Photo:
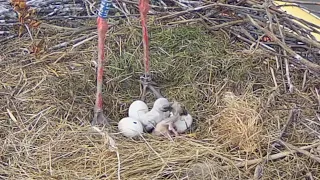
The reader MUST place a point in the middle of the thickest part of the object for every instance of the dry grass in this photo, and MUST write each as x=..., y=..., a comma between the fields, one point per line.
x=239, y=122
x=51, y=101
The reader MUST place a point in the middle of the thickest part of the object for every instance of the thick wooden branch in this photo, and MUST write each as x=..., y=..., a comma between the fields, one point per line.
x=303, y=61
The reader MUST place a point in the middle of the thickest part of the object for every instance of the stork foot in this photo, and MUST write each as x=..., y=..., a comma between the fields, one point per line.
x=100, y=119
x=144, y=92
x=155, y=91
x=146, y=82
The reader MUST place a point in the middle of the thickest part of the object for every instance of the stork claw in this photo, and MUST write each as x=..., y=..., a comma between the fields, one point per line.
x=144, y=91
x=155, y=91
x=146, y=82
x=100, y=119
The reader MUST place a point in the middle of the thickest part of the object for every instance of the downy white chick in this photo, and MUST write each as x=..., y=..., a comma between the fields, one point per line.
x=130, y=127
x=183, y=123
x=165, y=126
x=137, y=109
x=159, y=111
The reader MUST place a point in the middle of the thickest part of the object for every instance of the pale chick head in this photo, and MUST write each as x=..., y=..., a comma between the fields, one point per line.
x=130, y=127
x=178, y=109
x=161, y=104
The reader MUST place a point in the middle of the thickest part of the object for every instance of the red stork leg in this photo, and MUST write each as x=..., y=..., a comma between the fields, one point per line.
x=99, y=118
x=146, y=78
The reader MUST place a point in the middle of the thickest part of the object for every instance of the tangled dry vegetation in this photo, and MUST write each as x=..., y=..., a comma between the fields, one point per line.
x=238, y=98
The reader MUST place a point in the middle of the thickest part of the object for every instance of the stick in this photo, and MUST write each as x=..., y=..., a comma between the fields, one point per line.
x=290, y=119
x=300, y=59
x=309, y=174
x=318, y=96
x=206, y=7
x=302, y=151
x=259, y=168
x=303, y=39
x=297, y=5
x=65, y=44
x=110, y=142
x=302, y=2
x=272, y=157
x=268, y=48
x=83, y=41
x=186, y=11
x=285, y=59
x=274, y=78
x=229, y=24
x=304, y=80
x=267, y=3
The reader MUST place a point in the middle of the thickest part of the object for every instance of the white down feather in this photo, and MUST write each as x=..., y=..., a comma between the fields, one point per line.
x=139, y=110
x=183, y=123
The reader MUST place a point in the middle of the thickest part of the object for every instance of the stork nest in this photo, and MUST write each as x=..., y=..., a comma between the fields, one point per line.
x=47, y=105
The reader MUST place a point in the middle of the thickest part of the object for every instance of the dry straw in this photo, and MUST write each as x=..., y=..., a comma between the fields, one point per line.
x=46, y=105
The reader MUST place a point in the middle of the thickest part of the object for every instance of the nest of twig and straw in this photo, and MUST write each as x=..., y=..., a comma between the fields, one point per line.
x=255, y=102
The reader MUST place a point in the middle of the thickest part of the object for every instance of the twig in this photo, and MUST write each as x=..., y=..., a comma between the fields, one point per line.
x=302, y=2
x=304, y=80
x=184, y=21
x=14, y=119
x=317, y=96
x=245, y=32
x=111, y=145
x=302, y=151
x=257, y=172
x=303, y=39
x=163, y=161
x=274, y=78
x=311, y=130
x=285, y=59
x=268, y=48
x=186, y=11
x=206, y=7
x=65, y=44
x=83, y=41
x=272, y=157
x=285, y=127
x=309, y=174
x=299, y=6
x=267, y=3
x=29, y=32
x=291, y=117
x=300, y=59
x=229, y=24
x=4, y=32
x=306, y=23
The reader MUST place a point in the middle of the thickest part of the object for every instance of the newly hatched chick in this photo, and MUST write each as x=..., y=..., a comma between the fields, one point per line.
x=159, y=111
x=183, y=123
x=165, y=126
x=137, y=109
x=130, y=127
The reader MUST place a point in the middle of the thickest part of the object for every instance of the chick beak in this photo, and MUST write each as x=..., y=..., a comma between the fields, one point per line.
x=184, y=112
x=166, y=108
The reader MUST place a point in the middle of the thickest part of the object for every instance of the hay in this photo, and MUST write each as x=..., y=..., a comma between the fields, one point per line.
x=50, y=99
x=239, y=122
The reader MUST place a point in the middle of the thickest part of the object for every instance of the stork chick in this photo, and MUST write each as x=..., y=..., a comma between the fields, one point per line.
x=167, y=125
x=159, y=111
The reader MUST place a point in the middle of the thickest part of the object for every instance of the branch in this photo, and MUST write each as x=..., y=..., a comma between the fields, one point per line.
x=300, y=59
x=302, y=151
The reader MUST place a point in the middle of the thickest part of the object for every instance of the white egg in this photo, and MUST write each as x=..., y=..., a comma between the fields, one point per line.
x=183, y=123
x=137, y=109
x=130, y=127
